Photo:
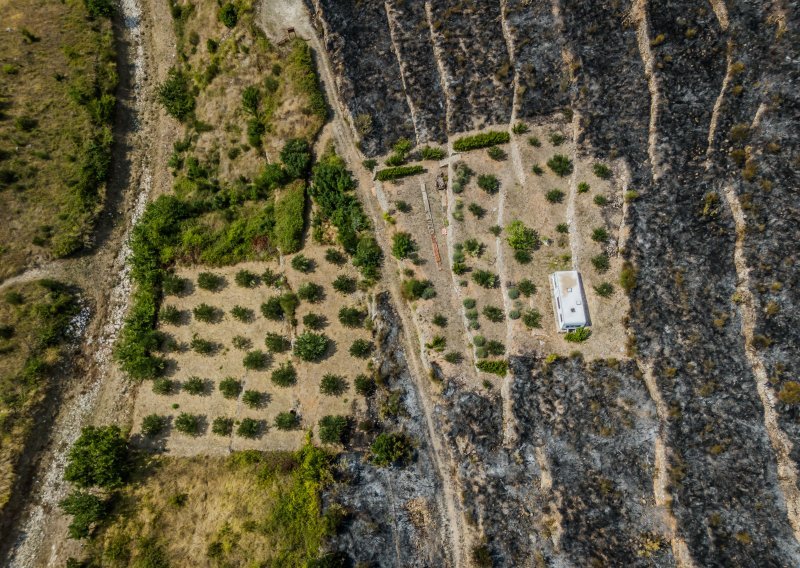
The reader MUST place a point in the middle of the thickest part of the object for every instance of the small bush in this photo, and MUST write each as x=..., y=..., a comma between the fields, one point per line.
x=194, y=386
x=476, y=210
x=482, y=140
x=246, y=279
x=352, y=317
x=344, y=284
x=391, y=449
x=335, y=257
x=438, y=343
x=255, y=360
x=600, y=200
x=583, y=187
x=532, y=318
x=315, y=321
x=578, y=335
x=413, y=289
x=228, y=15
x=334, y=429
x=153, y=425
x=222, y=426
x=601, y=263
x=302, y=264
x=526, y=287
x=513, y=293
x=242, y=314
x=311, y=292
x=241, y=343
x=163, y=386
x=210, y=281
x=287, y=421
x=84, y=469
x=485, y=279
x=496, y=153
x=557, y=139
x=174, y=285
x=253, y=398
x=602, y=171
x=14, y=298
x=403, y=245
x=554, y=196
x=453, y=357
x=479, y=341
x=431, y=153
x=522, y=238
x=310, y=346
x=175, y=94
x=272, y=310
x=493, y=314
x=205, y=313
x=560, y=164
x=365, y=386
x=489, y=183
x=272, y=279
x=514, y=314
x=534, y=141
x=249, y=428
x=519, y=128
x=397, y=172
x=439, y=320
x=87, y=511
x=604, y=290
x=403, y=206
x=230, y=387
x=562, y=228
x=361, y=348
x=536, y=169
x=627, y=277
x=170, y=315
x=469, y=303
x=188, y=424
x=202, y=346
x=600, y=235
x=496, y=367
x=370, y=164
x=332, y=385
x=285, y=375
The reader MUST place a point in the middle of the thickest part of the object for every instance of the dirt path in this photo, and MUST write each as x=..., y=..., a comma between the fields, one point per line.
x=99, y=394
x=276, y=15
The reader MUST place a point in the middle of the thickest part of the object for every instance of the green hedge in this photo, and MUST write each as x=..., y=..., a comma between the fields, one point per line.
x=482, y=140
x=289, y=210
x=496, y=367
x=399, y=172
x=304, y=72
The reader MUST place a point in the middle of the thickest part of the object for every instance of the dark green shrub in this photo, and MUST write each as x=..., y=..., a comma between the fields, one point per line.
x=391, y=449
x=277, y=343
x=438, y=343
x=476, y=210
x=332, y=385
x=489, y=183
x=482, y=556
x=604, y=290
x=537, y=169
x=398, y=172
x=241, y=343
x=628, y=276
x=532, y=318
x=600, y=200
x=310, y=346
x=364, y=385
x=483, y=140
x=513, y=293
x=205, y=313
x=242, y=314
x=255, y=360
x=600, y=263
x=271, y=309
x=174, y=285
x=230, y=387
x=474, y=247
x=285, y=375
x=514, y=314
x=302, y=264
x=334, y=429
x=251, y=100
x=194, y=385
x=431, y=153
x=368, y=257
x=222, y=426
x=289, y=303
x=246, y=279
x=228, y=15
x=296, y=158
x=99, y=8
x=344, y=284
x=600, y=235
x=98, y=458
x=453, y=357
x=287, y=421
x=289, y=221
x=495, y=348
x=352, y=317
x=188, y=424
x=526, y=287
x=370, y=164
x=439, y=320
x=523, y=256
x=170, y=315
x=163, y=386
x=554, y=196
x=496, y=367
x=253, y=398
x=202, y=346
x=496, y=153
x=562, y=228
x=403, y=245
x=583, y=187
x=87, y=511
x=602, y=171
x=175, y=94
x=534, y=141
x=521, y=238
x=335, y=257
x=557, y=139
x=153, y=425
x=250, y=428
x=469, y=303
x=493, y=314
x=519, y=128
x=14, y=298
x=210, y=281
x=361, y=348
x=578, y=335
x=315, y=321
x=485, y=279
x=311, y=292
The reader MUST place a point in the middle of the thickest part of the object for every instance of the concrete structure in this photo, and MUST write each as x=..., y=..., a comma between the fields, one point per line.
x=569, y=302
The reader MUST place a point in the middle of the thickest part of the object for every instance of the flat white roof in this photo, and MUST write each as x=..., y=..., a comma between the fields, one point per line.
x=569, y=303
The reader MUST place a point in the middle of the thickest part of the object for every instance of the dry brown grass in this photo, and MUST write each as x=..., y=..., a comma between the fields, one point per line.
x=35, y=78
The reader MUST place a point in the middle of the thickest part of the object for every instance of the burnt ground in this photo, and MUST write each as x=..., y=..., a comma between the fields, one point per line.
x=576, y=486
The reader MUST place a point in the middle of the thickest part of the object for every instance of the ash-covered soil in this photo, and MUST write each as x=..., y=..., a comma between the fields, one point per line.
x=699, y=102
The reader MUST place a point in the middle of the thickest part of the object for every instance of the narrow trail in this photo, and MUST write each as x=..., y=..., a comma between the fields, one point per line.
x=392, y=23
x=53, y=269
x=574, y=239
x=712, y=127
x=293, y=13
x=437, y=54
x=639, y=17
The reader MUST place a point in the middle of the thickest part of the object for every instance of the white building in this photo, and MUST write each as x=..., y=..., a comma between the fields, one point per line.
x=569, y=302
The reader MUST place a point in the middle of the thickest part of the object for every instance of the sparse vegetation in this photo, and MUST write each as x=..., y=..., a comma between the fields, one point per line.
x=604, y=290
x=578, y=335
x=391, y=449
